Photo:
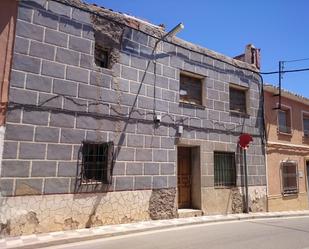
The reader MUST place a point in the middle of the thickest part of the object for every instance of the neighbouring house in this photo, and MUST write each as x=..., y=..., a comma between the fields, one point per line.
x=106, y=122
x=287, y=153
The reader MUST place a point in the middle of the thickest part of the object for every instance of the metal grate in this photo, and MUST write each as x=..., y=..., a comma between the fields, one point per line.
x=224, y=169
x=97, y=162
x=289, y=178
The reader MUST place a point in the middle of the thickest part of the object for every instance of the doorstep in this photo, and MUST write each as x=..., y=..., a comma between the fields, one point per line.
x=188, y=212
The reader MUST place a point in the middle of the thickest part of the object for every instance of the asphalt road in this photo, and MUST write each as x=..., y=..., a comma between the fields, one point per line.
x=289, y=233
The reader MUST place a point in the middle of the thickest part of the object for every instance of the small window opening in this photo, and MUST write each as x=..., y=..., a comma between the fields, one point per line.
x=191, y=89
x=238, y=100
x=284, y=120
x=97, y=162
x=101, y=56
x=306, y=125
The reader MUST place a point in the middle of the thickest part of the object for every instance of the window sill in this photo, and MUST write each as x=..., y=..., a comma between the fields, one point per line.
x=284, y=133
x=104, y=70
x=190, y=105
x=239, y=114
x=224, y=187
x=305, y=139
x=92, y=183
x=290, y=194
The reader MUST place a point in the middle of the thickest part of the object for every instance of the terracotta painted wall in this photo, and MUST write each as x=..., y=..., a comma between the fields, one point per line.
x=297, y=126
x=285, y=147
x=8, y=13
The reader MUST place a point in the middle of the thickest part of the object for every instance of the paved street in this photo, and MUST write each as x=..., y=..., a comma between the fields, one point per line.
x=289, y=233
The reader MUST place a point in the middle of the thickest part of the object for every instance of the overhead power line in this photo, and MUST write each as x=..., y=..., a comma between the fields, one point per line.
x=286, y=71
x=303, y=59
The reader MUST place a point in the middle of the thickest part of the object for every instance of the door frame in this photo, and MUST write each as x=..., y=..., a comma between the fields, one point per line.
x=306, y=164
x=195, y=183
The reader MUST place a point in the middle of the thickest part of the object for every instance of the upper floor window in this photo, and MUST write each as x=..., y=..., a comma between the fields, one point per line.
x=284, y=120
x=306, y=124
x=101, y=56
x=289, y=177
x=238, y=99
x=191, y=89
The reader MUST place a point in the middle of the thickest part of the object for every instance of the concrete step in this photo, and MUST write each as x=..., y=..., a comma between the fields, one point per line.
x=187, y=212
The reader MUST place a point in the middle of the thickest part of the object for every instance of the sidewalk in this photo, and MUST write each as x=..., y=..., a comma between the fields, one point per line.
x=64, y=237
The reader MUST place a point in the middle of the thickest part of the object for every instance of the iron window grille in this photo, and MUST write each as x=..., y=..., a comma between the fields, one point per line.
x=97, y=160
x=224, y=169
x=289, y=178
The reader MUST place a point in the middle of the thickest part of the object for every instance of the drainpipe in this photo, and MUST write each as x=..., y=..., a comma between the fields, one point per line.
x=246, y=181
x=266, y=172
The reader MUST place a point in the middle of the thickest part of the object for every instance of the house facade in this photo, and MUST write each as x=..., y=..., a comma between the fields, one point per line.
x=107, y=122
x=287, y=150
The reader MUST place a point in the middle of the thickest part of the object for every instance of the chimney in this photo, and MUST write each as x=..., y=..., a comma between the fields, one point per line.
x=252, y=56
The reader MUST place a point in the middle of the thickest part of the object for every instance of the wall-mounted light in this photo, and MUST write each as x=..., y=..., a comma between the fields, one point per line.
x=180, y=129
x=157, y=118
x=174, y=31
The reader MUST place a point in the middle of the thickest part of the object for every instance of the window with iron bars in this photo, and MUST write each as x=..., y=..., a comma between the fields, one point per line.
x=289, y=178
x=97, y=160
x=224, y=169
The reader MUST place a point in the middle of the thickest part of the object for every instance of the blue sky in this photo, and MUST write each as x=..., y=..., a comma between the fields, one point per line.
x=279, y=27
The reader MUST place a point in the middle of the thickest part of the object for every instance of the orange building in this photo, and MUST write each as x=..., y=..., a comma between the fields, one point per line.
x=287, y=150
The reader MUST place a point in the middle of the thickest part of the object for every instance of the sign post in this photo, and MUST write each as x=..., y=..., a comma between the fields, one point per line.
x=244, y=140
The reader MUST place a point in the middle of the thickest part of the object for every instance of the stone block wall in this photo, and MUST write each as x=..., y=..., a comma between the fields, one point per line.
x=59, y=97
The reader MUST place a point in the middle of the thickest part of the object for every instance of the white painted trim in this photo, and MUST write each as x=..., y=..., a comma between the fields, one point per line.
x=290, y=145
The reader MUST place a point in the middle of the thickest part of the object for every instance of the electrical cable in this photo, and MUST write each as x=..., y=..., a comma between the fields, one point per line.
x=172, y=43
x=290, y=61
x=286, y=71
x=189, y=49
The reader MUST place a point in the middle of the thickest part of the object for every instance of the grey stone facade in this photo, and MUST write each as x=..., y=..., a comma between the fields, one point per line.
x=59, y=97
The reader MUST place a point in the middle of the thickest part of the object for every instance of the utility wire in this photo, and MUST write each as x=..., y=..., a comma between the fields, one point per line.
x=286, y=71
x=303, y=59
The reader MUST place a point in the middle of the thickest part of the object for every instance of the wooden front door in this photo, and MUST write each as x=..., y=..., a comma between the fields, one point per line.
x=184, y=177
